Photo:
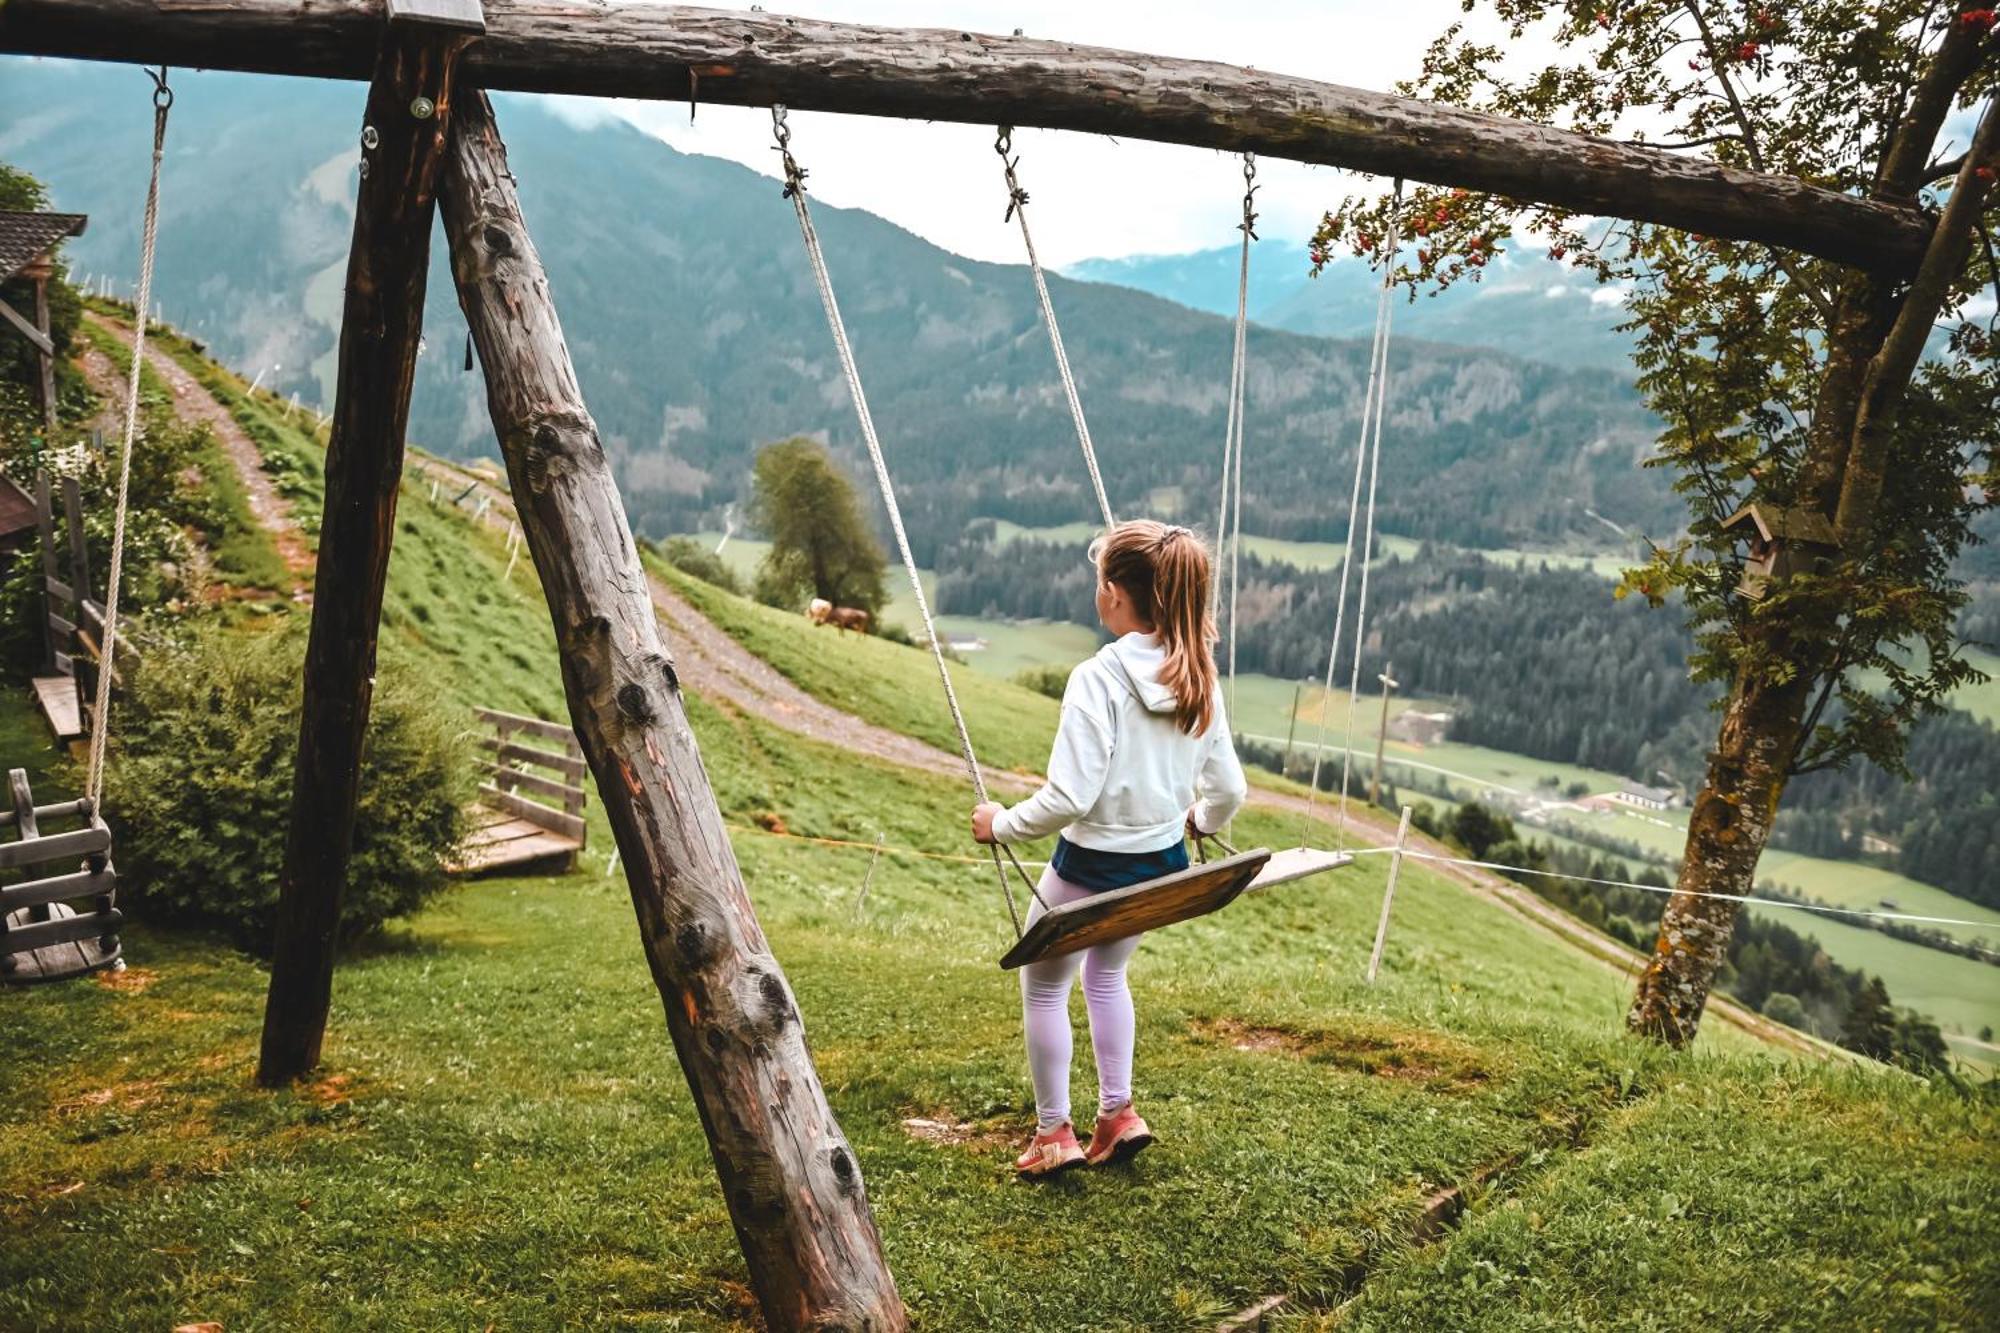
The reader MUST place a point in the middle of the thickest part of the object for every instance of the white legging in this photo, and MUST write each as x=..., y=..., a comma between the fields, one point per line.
x=1045, y=1015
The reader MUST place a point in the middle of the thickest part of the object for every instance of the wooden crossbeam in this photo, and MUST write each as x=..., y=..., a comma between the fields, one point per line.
x=679, y=52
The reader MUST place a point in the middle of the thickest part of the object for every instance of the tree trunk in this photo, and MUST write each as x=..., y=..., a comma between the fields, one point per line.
x=684, y=53
x=380, y=325
x=1873, y=346
x=790, y=1180
x=1727, y=830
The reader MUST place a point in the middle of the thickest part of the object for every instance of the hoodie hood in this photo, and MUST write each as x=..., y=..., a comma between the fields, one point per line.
x=1135, y=662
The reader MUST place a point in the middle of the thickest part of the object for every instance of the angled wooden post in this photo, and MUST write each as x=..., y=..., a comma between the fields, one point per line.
x=1389, y=895
x=402, y=144
x=791, y=1182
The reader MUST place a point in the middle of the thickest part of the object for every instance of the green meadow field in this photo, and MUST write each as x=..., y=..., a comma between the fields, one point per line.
x=500, y=1137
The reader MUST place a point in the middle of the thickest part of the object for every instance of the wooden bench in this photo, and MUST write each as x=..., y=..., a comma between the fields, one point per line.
x=531, y=803
x=62, y=924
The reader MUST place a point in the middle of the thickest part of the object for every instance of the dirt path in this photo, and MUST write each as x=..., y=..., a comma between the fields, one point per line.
x=713, y=665
x=193, y=403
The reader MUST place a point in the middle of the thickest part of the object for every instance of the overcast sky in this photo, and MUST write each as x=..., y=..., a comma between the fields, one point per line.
x=1091, y=196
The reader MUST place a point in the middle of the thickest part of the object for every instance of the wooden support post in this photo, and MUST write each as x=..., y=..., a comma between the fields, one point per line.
x=403, y=143
x=1381, y=733
x=1389, y=895
x=874, y=859
x=790, y=1180
x=55, y=659
x=45, y=354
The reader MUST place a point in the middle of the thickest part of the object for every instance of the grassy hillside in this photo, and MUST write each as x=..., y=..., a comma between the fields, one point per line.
x=500, y=1137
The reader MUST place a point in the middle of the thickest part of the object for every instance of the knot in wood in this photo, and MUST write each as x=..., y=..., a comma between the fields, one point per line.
x=842, y=1164
x=696, y=944
x=498, y=240
x=633, y=703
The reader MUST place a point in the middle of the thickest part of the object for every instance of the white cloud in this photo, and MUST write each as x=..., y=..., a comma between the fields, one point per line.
x=1612, y=295
x=1093, y=196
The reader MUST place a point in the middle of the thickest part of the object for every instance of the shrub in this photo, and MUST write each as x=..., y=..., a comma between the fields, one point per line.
x=199, y=787
x=690, y=557
x=1049, y=680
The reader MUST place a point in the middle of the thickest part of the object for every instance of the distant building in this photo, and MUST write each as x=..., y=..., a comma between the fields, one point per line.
x=1419, y=728
x=1646, y=798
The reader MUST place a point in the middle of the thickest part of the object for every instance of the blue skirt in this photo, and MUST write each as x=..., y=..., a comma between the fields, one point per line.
x=1089, y=868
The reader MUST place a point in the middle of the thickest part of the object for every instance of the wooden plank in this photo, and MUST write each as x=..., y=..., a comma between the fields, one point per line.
x=56, y=696
x=61, y=929
x=484, y=816
x=516, y=852
x=789, y=1179
x=59, y=590
x=679, y=52
x=555, y=731
x=465, y=14
x=57, y=889
x=54, y=810
x=26, y=328
x=55, y=847
x=507, y=779
x=24, y=804
x=1118, y=913
x=1296, y=863
x=507, y=829
x=555, y=821
x=569, y=765
x=406, y=122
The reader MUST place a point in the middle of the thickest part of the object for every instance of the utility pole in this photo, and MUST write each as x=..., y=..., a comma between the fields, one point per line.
x=1381, y=734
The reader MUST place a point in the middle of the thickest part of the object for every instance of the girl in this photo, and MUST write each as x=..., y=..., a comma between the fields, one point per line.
x=1142, y=733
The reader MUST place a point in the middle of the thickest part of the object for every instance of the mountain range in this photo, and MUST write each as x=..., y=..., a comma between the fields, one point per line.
x=698, y=335
x=1523, y=302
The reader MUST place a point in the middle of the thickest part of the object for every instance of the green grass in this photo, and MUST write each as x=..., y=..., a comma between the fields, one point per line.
x=502, y=1136
x=1716, y=1203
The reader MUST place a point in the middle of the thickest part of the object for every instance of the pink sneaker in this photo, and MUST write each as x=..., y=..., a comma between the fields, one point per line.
x=1118, y=1136
x=1050, y=1153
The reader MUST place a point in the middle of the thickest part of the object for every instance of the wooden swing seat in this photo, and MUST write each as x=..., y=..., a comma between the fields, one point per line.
x=1297, y=863
x=47, y=930
x=1117, y=913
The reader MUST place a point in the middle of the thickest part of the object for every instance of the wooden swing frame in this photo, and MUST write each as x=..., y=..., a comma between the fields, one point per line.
x=791, y=1185
x=44, y=936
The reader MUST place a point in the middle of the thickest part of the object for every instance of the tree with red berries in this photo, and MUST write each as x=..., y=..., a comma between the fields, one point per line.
x=1862, y=401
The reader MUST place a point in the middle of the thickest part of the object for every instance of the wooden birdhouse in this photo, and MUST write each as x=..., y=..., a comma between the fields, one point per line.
x=1782, y=542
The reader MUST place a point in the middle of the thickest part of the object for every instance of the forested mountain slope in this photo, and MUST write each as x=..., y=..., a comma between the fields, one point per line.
x=697, y=334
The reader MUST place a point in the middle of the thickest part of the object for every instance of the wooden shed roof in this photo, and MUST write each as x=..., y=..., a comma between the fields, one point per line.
x=26, y=237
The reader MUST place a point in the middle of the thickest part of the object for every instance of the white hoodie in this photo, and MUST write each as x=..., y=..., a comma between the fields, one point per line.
x=1122, y=774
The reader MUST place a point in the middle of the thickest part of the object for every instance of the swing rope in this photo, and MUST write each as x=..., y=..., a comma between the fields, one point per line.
x=795, y=190
x=1371, y=414
x=100, y=722
x=1017, y=208
x=1227, y=526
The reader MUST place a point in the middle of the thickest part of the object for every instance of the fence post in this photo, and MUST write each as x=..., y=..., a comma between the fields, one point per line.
x=1389, y=895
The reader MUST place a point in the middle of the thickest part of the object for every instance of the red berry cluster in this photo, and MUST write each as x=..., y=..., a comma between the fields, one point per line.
x=1979, y=20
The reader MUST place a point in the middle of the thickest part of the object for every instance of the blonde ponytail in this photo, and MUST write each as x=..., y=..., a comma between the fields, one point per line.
x=1165, y=570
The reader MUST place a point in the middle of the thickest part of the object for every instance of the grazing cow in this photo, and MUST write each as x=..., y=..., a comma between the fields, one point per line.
x=822, y=612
